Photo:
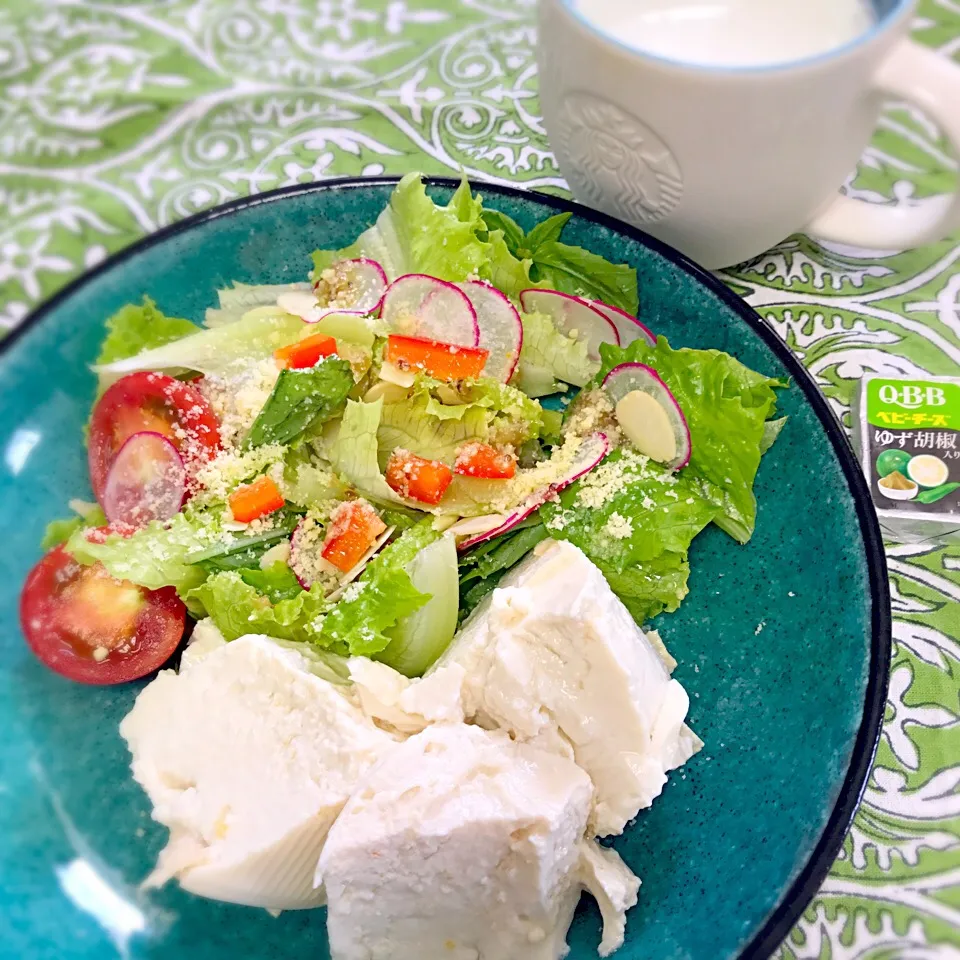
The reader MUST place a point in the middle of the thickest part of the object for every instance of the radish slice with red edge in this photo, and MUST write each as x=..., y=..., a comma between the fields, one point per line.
x=649, y=414
x=629, y=328
x=501, y=332
x=146, y=481
x=416, y=305
x=592, y=451
x=573, y=316
x=354, y=287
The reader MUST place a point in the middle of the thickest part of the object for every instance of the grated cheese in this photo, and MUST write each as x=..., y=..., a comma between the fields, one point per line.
x=237, y=400
x=618, y=526
x=222, y=475
x=306, y=560
x=592, y=411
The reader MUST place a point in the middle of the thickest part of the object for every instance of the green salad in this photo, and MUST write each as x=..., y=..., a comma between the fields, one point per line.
x=354, y=461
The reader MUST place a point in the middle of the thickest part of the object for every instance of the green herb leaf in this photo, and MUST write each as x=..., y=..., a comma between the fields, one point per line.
x=579, y=272
x=547, y=232
x=504, y=553
x=511, y=230
x=483, y=568
x=244, y=552
x=300, y=399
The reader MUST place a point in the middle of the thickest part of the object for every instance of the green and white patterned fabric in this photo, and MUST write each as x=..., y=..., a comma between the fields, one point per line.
x=119, y=118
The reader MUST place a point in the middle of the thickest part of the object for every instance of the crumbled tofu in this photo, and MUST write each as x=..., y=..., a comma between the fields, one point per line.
x=460, y=844
x=407, y=706
x=248, y=758
x=555, y=626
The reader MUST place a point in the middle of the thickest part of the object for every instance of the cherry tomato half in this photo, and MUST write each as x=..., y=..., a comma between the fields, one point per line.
x=155, y=403
x=92, y=628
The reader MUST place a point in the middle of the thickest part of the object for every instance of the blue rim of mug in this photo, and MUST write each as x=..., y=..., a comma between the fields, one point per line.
x=884, y=22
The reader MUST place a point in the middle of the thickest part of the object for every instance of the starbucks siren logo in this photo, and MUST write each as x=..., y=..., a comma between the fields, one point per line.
x=617, y=162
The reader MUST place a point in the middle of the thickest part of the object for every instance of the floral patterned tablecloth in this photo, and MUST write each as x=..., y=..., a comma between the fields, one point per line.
x=118, y=118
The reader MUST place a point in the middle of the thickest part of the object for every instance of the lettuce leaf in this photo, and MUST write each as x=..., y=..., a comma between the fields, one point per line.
x=382, y=597
x=726, y=405
x=635, y=520
x=217, y=351
x=238, y=608
x=154, y=557
x=254, y=601
x=415, y=235
x=505, y=271
x=135, y=328
x=301, y=399
x=353, y=451
x=547, y=356
x=437, y=418
x=652, y=587
x=60, y=531
x=408, y=426
x=307, y=483
x=771, y=430
x=239, y=299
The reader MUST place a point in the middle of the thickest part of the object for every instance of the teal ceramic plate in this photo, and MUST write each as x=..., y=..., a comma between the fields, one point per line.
x=783, y=644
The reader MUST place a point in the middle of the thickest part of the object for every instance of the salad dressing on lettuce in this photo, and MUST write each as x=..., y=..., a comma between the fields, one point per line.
x=319, y=407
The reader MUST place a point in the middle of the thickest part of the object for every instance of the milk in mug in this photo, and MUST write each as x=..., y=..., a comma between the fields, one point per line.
x=730, y=33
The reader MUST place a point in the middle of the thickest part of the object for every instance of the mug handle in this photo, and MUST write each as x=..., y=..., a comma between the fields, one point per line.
x=910, y=72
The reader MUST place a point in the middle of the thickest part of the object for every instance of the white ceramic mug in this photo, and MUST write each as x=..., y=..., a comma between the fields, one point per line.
x=723, y=163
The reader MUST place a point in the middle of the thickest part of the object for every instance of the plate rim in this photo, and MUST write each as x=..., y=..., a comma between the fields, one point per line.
x=797, y=896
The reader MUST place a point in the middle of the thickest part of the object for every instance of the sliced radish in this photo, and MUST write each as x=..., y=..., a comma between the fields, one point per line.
x=573, y=316
x=416, y=305
x=591, y=452
x=146, y=481
x=629, y=328
x=354, y=287
x=648, y=414
x=501, y=332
